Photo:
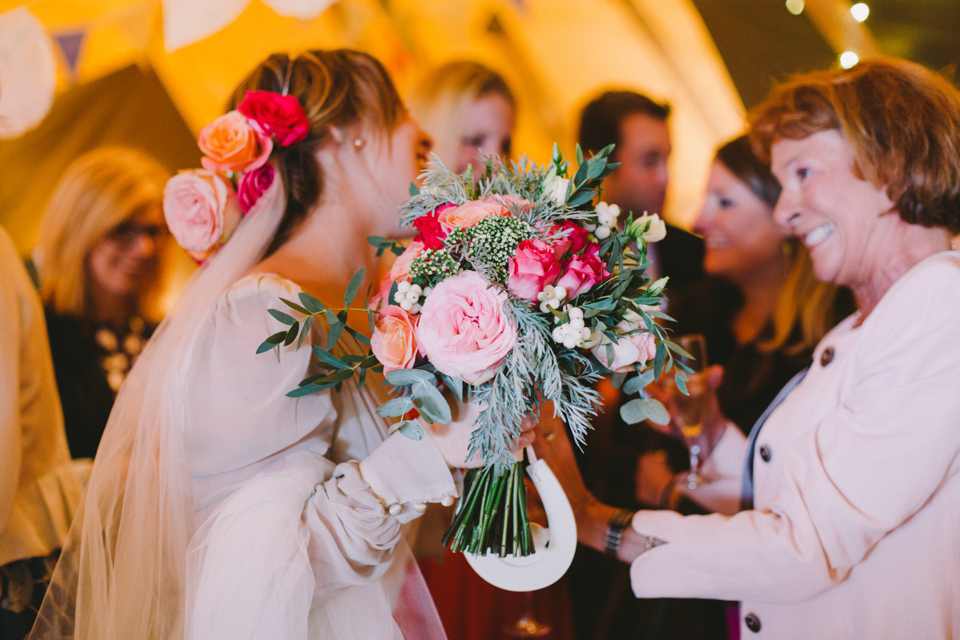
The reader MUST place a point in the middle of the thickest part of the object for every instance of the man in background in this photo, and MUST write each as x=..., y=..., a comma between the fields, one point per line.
x=638, y=127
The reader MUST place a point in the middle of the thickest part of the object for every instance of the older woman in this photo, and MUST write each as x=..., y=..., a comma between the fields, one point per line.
x=852, y=480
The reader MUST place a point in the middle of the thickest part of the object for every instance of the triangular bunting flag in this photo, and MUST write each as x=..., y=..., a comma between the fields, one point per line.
x=70, y=43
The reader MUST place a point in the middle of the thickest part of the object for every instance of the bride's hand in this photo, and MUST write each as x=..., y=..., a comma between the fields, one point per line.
x=453, y=439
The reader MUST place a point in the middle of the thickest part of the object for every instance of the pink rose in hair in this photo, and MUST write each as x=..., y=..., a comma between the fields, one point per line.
x=463, y=329
x=534, y=266
x=280, y=116
x=469, y=214
x=201, y=211
x=233, y=143
x=431, y=234
x=628, y=350
x=582, y=273
x=574, y=240
x=394, y=339
x=401, y=267
x=253, y=184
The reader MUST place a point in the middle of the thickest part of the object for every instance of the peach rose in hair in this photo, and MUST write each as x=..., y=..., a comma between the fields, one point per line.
x=233, y=143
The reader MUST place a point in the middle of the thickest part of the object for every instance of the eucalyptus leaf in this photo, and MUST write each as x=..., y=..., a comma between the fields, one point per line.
x=455, y=385
x=659, y=359
x=580, y=197
x=411, y=429
x=331, y=317
x=353, y=287
x=404, y=377
x=414, y=189
x=638, y=382
x=369, y=361
x=616, y=380
x=579, y=155
x=268, y=344
x=311, y=303
x=334, y=336
x=431, y=404
x=580, y=176
x=305, y=331
x=641, y=409
x=291, y=334
x=281, y=316
x=681, y=381
x=294, y=306
x=357, y=335
x=395, y=407
x=329, y=358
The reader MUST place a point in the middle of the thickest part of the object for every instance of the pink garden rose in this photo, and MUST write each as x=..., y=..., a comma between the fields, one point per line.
x=280, y=116
x=534, y=266
x=394, y=339
x=574, y=240
x=253, y=184
x=469, y=214
x=401, y=267
x=233, y=143
x=582, y=273
x=430, y=233
x=628, y=350
x=463, y=329
x=201, y=211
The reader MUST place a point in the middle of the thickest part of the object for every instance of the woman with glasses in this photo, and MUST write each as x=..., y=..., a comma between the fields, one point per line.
x=99, y=265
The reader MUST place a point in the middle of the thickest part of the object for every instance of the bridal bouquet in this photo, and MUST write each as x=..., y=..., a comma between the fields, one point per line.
x=517, y=290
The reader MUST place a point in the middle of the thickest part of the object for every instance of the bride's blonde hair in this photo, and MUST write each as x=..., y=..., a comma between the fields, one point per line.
x=339, y=88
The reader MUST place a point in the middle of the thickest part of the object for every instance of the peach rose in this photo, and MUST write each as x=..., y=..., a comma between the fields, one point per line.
x=401, y=267
x=394, y=339
x=628, y=350
x=469, y=214
x=233, y=143
x=463, y=330
x=201, y=211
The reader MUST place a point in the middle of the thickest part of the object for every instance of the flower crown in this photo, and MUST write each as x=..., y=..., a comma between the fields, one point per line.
x=203, y=207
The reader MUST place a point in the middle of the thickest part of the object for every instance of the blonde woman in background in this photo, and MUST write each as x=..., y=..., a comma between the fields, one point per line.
x=469, y=111
x=99, y=262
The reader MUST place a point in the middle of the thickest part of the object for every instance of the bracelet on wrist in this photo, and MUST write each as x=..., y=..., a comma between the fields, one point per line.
x=619, y=521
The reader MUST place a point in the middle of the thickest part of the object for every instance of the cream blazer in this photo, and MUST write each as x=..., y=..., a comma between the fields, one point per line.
x=856, y=527
x=38, y=487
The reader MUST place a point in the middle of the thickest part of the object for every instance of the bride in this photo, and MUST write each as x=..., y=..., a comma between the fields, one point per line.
x=219, y=507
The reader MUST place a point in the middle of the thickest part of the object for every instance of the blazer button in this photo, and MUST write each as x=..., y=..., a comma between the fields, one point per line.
x=753, y=622
x=826, y=357
x=765, y=454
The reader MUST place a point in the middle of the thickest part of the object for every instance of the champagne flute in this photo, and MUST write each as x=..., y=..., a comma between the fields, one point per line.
x=691, y=408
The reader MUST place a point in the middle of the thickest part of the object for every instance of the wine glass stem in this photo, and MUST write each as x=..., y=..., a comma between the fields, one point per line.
x=694, y=477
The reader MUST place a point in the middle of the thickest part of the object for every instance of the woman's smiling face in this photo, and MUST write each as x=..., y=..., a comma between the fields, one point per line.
x=738, y=229
x=838, y=215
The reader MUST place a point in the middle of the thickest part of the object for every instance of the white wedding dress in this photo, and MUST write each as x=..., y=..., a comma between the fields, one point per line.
x=219, y=508
x=281, y=528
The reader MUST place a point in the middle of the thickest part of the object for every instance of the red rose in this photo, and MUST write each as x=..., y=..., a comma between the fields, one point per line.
x=431, y=234
x=277, y=115
x=574, y=239
x=253, y=184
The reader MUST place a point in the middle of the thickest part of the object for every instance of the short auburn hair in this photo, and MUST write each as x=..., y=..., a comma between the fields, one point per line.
x=901, y=120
